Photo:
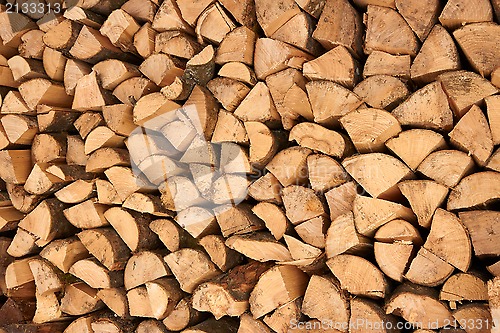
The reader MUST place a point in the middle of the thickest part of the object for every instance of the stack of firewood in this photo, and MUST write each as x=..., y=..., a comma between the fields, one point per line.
x=249, y=166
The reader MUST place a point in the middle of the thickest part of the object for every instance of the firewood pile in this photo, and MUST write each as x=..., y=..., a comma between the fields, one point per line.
x=249, y=166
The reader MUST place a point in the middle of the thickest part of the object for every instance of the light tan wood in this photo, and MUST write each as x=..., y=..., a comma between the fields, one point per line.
x=347, y=268
x=80, y=299
x=229, y=92
x=426, y=108
x=32, y=44
x=464, y=195
x=472, y=134
x=457, y=13
x=381, y=23
x=120, y=28
x=493, y=112
x=420, y=16
x=298, y=31
x=289, y=165
x=342, y=237
x=267, y=188
x=425, y=197
x=213, y=24
x=438, y=54
x=260, y=246
x=84, y=16
x=107, y=246
x=318, y=138
x=237, y=46
x=290, y=283
x=464, y=286
x=235, y=288
x=465, y=89
x=330, y=101
x=413, y=146
x=95, y=275
x=340, y=199
x=301, y=204
x=340, y=24
x=145, y=266
x=336, y=65
x=73, y=72
x=239, y=71
x=116, y=300
x=383, y=126
x=478, y=223
x=427, y=269
x=378, y=173
x=371, y=213
x=271, y=55
x=92, y=47
x=382, y=91
x=313, y=306
x=221, y=255
x=131, y=90
x=63, y=253
x=19, y=129
x=446, y=167
x=188, y=274
x=415, y=303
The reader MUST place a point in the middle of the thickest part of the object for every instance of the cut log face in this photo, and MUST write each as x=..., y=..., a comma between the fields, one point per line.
x=446, y=167
x=378, y=173
x=465, y=89
x=289, y=283
x=457, y=13
x=414, y=303
x=385, y=127
x=382, y=23
x=437, y=55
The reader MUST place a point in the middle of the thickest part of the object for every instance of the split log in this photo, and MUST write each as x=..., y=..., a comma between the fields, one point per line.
x=437, y=55
x=271, y=55
x=420, y=20
x=318, y=138
x=427, y=269
x=301, y=204
x=228, y=52
x=260, y=246
x=131, y=90
x=336, y=65
x=330, y=101
x=340, y=199
x=427, y=108
x=413, y=146
x=289, y=166
x=457, y=13
x=267, y=188
x=381, y=23
x=339, y=24
x=80, y=299
x=190, y=275
x=133, y=228
x=424, y=196
x=84, y=16
x=382, y=91
x=464, y=287
x=478, y=223
x=120, y=28
x=234, y=288
x=473, y=135
x=95, y=275
x=116, y=300
x=465, y=89
x=239, y=71
x=371, y=213
x=383, y=127
x=298, y=31
x=447, y=167
x=325, y=173
x=346, y=267
x=183, y=315
x=42, y=91
x=313, y=231
x=221, y=255
x=290, y=283
x=107, y=246
x=342, y=237
x=378, y=173
x=413, y=303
